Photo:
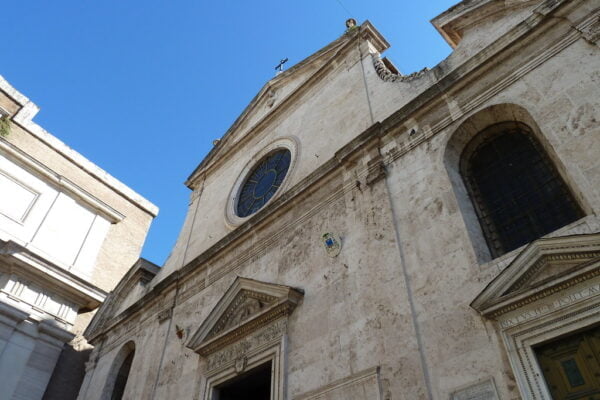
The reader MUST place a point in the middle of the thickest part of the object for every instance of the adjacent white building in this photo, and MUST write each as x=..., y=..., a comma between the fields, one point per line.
x=68, y=233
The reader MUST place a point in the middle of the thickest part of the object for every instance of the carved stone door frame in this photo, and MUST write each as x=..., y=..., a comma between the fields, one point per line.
x=550, y=290
x=238, y=362
x=247, y=328
x=521, y=340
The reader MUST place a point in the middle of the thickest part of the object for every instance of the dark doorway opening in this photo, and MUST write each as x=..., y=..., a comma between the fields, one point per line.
x=252, y=385
x=122, y=376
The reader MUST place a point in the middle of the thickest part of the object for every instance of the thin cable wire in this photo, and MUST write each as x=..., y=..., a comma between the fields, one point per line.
x=345, y=9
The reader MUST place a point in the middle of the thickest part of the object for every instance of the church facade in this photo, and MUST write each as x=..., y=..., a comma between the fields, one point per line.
x=362, y=234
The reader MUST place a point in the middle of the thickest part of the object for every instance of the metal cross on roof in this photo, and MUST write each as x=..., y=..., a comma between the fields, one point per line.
x=279, y=67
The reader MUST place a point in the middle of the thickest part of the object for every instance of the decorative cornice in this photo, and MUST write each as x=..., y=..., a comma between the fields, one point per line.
x=74, y=287
x=55, y=331
x=590, y=30
x=376, y=171
x=224, y=322
x=546, y=260
x=452, y=23
x=515, y=285
x=13, y=313
x=228, y=337
x=62, y=182
x=24, y=118
x=224, y=326
x=545, y=293
x=141, y=272
x=388, y=76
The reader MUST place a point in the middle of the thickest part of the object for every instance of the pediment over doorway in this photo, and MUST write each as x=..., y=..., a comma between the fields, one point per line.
x=247, y=306
x=545, y=267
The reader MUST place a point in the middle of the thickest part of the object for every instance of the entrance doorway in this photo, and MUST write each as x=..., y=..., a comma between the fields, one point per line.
x=571, y=366
x=252, y=385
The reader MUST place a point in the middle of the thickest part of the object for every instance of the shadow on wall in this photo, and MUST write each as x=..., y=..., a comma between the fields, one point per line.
x=68, y=375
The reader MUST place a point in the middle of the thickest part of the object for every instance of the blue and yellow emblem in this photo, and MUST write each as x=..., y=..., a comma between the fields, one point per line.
x=332, y=244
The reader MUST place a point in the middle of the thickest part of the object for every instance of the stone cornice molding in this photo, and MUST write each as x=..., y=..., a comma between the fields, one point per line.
x=12, y=313
x=451, y=23
x=369, y=33
x=56, y=335
x=62, y=182
x=247, y=306
x=49, y=330
x=576, y=257
x=141, y=272
x=479, y=62
x=590, y=29
x=77, y=289
x=24, y=117
x=386, y=75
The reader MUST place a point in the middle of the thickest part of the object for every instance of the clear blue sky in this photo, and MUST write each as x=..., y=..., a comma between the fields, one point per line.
x=142, y=88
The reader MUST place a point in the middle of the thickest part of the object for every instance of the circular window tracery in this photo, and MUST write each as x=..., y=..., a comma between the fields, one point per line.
x=262, y=182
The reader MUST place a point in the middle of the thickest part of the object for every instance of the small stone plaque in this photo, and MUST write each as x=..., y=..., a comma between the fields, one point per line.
x=485, y=390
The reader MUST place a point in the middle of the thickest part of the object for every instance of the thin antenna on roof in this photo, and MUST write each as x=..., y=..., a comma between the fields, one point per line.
x=344, y=7
x=279, y=67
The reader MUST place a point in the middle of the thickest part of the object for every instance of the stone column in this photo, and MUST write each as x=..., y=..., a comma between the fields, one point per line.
x=42, y=360
x=10, y=317
x=18, y=338
x=28, y=353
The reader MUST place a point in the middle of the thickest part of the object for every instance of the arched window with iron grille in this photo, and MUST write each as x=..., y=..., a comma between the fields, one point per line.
x=516, y=190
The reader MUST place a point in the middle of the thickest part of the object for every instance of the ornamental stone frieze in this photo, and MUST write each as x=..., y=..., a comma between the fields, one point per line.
x=246, y=329
x=388, y=75
x=247, y=307
x=550, y=289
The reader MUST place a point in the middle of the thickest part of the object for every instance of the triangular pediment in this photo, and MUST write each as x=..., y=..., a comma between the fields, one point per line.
x=286, y=89
x=244, y=306
x=129, y=289
x=248, y=305
x=543, y=266
x=467, y=15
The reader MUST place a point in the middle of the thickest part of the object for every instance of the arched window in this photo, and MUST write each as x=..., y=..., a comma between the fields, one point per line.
x=122, y=376
x=516, y=190
x=119, y=373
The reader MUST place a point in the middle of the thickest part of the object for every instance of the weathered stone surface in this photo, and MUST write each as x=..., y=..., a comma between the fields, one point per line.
x=480, y=391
